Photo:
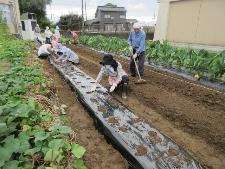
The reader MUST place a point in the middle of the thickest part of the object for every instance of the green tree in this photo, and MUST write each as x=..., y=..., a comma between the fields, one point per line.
x=70, y=21
x=34, y=6
x=44, y=21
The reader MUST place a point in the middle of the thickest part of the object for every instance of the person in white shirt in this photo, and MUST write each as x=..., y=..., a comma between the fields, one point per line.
x=43, y=51
x=48, y=35
x=116, y=75
x=57, y=33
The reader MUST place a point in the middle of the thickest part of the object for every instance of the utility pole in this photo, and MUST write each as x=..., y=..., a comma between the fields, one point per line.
x=86, y=10
x=82, y=1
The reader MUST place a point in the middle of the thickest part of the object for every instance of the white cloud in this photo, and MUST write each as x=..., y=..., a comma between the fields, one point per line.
x=142, y=10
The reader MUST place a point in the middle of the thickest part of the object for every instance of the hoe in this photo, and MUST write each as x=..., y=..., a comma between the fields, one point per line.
x=140, y=80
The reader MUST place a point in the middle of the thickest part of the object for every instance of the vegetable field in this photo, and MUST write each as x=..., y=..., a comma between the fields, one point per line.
x=37, y=106
x=197, y=62
x=32, y=133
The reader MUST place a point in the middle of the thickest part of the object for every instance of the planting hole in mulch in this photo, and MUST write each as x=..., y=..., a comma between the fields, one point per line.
x=123, y=129
x=136, y=120
x=140, y=150
x=154, y=137
x=83, y=86
x=94, y=100
x=113, y=120
x=113, y=102
x=173, y=152
x=102, y=109
x=92, y=82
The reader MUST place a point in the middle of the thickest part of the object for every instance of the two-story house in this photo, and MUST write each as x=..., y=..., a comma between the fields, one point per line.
x=108, y=18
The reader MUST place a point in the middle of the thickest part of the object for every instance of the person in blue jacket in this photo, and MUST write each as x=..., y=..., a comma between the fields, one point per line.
x=136, y=42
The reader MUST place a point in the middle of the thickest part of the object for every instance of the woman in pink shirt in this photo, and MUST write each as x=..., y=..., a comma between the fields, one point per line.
x=116, y=75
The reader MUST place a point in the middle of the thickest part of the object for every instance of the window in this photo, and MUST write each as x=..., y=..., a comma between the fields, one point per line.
x=33, y=25
x=109, y=27
x=119, y=27
x=122, y=16
x=23, y=25
x=107, y=16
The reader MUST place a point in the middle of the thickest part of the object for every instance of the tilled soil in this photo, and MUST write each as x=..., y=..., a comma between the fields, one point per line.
x=99, y=155
x=191, y=114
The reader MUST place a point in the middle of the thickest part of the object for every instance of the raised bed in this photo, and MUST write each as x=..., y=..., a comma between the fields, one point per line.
x=141, y=144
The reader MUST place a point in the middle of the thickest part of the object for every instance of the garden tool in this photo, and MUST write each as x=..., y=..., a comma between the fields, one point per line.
x=140, y=80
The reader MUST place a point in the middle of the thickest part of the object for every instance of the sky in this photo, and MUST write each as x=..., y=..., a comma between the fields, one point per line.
x=142, y=10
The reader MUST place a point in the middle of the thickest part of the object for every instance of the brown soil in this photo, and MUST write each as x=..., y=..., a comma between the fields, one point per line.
x=113, y=120
x=190, y=114
x=123, y=129
x=102, y=109
x=173, y=152
x=141, y=150
x=154, y=137
x=99, y=155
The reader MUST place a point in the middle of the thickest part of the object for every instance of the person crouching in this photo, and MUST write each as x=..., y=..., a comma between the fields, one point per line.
x=117, y=77
x=44, y=51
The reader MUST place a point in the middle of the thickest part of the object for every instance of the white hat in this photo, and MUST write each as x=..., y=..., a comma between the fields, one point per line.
x=137, y=25
x=57, y=27
x=47, y=27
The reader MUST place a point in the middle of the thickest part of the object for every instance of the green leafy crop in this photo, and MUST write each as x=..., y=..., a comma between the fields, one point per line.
x=199, y=62
x=26, y=143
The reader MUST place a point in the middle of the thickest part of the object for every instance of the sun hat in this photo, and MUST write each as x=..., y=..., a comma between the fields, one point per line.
x=137, y=25
x=107, y=59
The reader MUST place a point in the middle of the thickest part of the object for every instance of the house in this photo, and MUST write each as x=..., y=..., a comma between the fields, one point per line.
x=10, y=14
x=192, y=22
x=109, y=18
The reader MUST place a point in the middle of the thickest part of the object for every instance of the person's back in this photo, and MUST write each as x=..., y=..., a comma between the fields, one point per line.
x=43, y=50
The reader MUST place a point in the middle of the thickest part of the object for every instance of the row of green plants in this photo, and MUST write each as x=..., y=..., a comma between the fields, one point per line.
x=30, y=135
x=197, y=62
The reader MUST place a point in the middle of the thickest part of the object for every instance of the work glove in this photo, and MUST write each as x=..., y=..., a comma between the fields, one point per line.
x=112, y=88
x=131, y=49
x=135, y=56
x=93, y=88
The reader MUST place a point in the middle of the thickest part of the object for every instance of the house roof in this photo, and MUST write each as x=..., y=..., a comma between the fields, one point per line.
x=110, y=8
x=92, y=21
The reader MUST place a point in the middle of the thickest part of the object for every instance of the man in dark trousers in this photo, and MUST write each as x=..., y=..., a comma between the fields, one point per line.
x=136, y=42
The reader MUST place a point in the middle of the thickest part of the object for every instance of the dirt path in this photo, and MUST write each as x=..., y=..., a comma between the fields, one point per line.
x=192, y=116
x=100, y=155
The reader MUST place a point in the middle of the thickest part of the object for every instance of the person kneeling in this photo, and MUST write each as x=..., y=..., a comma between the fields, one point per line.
x=43, y=51
x=117, y=77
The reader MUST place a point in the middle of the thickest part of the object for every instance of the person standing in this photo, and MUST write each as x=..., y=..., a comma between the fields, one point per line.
x=136, y=42
x=57, y=33
x=37, y=31
x=48, y=35
x=37, y=35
